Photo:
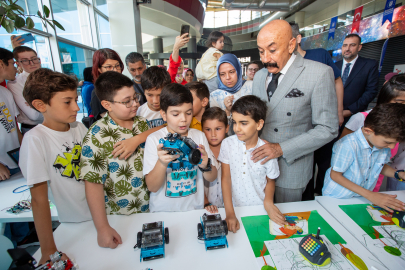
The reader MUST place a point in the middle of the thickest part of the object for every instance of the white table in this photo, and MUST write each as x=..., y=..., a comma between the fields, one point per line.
x=8, y=198
x=375, y=246
x=184, y=250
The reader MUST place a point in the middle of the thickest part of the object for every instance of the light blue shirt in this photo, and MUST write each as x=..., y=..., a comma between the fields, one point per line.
x=353, y=156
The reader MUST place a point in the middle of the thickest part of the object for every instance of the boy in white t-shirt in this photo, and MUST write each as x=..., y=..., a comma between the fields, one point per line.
x=176, y=185
x=27, y=59
x=244, y=182
x=152, y=81
x=50, y=154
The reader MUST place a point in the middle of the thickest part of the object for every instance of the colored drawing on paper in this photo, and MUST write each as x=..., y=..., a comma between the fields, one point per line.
x=285, y=255
x=295, y=226
x=353, y=258
x=379, y=214
x=258, y=231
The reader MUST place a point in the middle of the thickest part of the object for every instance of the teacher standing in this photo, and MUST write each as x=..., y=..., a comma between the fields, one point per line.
x=302, y=113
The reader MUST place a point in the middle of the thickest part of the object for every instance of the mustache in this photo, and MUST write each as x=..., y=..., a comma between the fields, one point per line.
x=267, y=65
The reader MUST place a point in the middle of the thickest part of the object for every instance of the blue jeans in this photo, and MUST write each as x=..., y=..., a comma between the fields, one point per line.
x=393, y=184
x=16, y=231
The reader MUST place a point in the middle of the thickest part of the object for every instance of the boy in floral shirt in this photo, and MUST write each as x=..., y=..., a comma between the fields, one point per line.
x=114, y=185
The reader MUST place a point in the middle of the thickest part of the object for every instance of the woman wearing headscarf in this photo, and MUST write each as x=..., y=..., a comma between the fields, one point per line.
x=231, y=87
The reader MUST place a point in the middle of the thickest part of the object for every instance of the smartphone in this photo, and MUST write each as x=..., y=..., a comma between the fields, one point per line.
x=185, y=29
x=27, y=38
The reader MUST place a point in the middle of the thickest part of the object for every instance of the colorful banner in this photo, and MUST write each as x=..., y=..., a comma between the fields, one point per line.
x=384, y=48
x=388, y=11
x=356, y=20
x=333, y=24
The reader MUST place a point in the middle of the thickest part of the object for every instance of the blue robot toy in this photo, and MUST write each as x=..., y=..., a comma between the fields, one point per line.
x=213, y=231
x=185, y=147
x=152, y=240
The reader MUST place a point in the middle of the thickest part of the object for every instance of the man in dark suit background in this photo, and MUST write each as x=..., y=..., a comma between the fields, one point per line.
x=359, y=76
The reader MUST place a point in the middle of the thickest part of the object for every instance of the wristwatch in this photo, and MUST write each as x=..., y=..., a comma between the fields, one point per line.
x=397, y=176
x=208, y=168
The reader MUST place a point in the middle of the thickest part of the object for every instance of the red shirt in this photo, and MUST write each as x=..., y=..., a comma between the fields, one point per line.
x=173, y=68
x=3, y=83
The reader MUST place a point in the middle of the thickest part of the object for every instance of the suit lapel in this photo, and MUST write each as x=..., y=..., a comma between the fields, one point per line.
x=356, y=68
x=285, y=85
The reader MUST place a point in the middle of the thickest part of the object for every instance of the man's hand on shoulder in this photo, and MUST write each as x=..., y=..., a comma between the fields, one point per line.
x=267, y=152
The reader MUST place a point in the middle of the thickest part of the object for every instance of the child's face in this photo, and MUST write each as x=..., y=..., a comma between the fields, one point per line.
x=215, y=131
x=189, y=76
x=31, y=66
x=178, y=118
x=378, y=141
x=62, y=108
x=8, y=72
x=198, y=104
x=228, y=74
x=219, y=45
x=153, y=98
x=245, y=127
x=124, y=106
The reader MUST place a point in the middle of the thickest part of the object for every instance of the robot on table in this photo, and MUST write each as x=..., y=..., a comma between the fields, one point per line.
x=213, y=231
x=152, y=240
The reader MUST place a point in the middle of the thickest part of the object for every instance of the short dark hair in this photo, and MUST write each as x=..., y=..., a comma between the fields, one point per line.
x=213, y=37
x=87, y=74
x=295, y=29
x=214, y=113
x=354, y=35
x=251, y=105
x=108, y=83
x=174, y=94
x=387, y=120
x=201, y=89
x=5, y=55
x=134, y=57
x=155, y=77
x=21, y=49
x=44, y=83
x=392, y=89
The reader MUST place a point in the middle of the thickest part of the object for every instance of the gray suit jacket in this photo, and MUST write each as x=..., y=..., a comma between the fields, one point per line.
x=299, y=124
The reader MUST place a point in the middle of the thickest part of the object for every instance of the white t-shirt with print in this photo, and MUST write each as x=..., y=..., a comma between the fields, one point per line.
x=54, y=156
x=356, y=121
x=213, y=190
x=8, y=128
x=27, y=114
x=248, y=178
x=154, y=118
x=183, y=189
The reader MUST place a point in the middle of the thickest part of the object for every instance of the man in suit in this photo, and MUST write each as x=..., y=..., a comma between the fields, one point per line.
x=302, y=109
x=359, y=76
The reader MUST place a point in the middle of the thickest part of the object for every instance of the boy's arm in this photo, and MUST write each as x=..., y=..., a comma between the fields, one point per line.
x=106, y=236
x=385, y=201
x=271, y=209
x=125, y=148
x=231, y=220
x=43, y=221
x=20, y=136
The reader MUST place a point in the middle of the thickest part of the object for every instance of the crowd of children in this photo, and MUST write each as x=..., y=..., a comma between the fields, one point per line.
x=119, y=166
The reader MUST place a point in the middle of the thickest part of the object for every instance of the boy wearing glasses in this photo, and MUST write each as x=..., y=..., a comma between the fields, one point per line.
x=27, y=59
x=114, y=186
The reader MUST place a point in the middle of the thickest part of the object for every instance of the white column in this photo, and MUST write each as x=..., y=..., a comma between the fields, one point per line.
x=299, y=17
x=125, y=27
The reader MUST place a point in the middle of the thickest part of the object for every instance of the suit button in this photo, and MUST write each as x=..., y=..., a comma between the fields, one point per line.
x=288, y=114
x=276, y=130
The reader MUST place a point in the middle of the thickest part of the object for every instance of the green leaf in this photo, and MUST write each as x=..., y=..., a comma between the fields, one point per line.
x=114, y=206
x=138, y=165
x=136, y=193
x=98, y=162
x=17, y=7
x=58, y=25
x=46, y=11
x=122, y=188
x=11, y=15
x=109, y=189
x=8, y=25
x=39, y=14
x=19, y=22
x=126, y=171
x=2, y=11
x=95, y=142
x=143, y=126
x=93, y=177
x=108, y=147
x=30, y=23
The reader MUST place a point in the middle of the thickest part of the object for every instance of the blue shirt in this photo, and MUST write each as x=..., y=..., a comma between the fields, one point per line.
x=87, y=89
x=358, y=161
x=322, y=56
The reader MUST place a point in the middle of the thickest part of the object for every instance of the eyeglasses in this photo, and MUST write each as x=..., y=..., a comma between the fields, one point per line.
x=253, y=69
x=27, y=62
x=110, y=68
x=130, y=102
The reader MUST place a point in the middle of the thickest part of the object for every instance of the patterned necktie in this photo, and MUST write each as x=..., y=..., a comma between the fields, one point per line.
x=271, y=88
x=346, y=73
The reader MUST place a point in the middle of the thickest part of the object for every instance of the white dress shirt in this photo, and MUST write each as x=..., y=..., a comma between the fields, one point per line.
x=351, y=66
x=283, y=71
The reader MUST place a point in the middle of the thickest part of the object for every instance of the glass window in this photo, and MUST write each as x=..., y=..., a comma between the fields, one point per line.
x=233, y=17
x=221, y=18
x=209, y=19
x=104, y=35
x=255, y=14
x=101, y=5
x=31, y=8
x=264, y=13
x=40, y=45
x=74, y=59
x=74, y=16
x=245, y=16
